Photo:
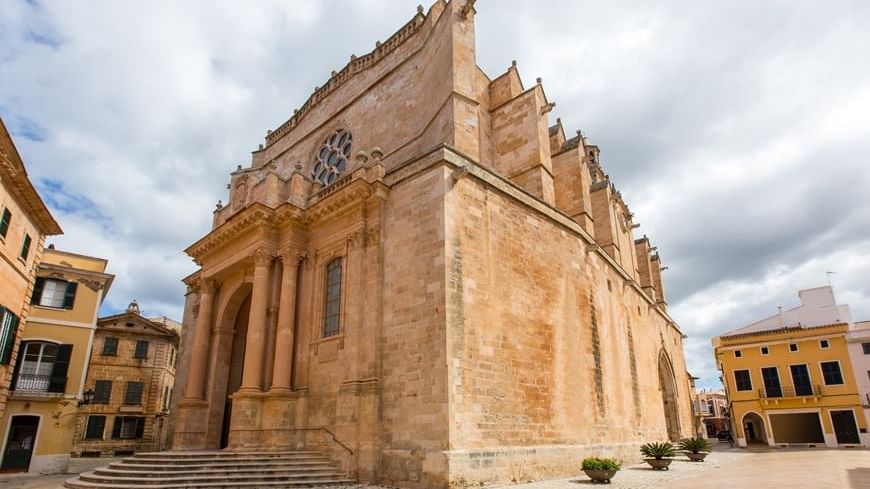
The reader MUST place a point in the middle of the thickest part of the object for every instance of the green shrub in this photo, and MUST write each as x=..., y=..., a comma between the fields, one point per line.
x=595, y=463
x=657, y=450
x=695, y=445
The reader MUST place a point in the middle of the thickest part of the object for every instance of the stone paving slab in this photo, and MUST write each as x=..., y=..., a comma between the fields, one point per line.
x=812, y=468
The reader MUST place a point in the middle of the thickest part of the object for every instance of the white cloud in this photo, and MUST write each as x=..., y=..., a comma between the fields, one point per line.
x=736, y=130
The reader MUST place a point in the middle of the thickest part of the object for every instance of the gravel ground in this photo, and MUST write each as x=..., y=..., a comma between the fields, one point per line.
x=641, y=476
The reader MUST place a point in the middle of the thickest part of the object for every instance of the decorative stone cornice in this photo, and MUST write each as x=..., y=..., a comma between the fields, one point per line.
x=255, y=215
x=15, y=180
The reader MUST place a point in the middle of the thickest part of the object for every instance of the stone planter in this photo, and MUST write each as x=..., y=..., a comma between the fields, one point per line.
x=697, y=457
x=659, y=463
x=600, y=475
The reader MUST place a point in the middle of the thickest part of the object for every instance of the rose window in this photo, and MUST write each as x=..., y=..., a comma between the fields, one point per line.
x=331, y=159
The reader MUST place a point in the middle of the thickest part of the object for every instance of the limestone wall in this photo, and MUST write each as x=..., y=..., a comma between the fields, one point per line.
x=553, y=346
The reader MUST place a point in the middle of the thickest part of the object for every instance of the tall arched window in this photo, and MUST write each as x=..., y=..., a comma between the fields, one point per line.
x=332, y=302
x=331, y=158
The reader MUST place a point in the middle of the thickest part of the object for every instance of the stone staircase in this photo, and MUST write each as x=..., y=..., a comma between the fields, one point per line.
x=215, y=469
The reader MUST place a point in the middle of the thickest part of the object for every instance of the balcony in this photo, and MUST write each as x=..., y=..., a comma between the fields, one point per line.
x=790, y=391
x=30, y=384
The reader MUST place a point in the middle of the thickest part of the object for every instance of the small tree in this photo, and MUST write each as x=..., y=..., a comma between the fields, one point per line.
x=657, y=450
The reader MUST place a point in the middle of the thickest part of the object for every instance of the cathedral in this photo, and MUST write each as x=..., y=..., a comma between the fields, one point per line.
x=425, y=277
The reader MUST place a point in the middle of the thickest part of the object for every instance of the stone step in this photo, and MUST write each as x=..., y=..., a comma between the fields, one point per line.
x=224, y=470
x=277, y=470
x=150, y=467
x=311, y=476
x=225, y=453
x=79, y=484
x=202, y=460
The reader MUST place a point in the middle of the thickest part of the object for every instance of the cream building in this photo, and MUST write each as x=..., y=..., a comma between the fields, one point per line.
x=49, y=377
x=25, y=221
x=858, y=339
x=422, y=276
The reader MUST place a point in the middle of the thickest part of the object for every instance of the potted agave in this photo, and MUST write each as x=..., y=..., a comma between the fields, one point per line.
x=600, y=469
x=658, y=454
x=696, y=448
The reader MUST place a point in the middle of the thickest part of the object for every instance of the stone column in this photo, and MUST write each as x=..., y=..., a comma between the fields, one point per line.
x=252, y=377
x=281, y=369
x=199, y=352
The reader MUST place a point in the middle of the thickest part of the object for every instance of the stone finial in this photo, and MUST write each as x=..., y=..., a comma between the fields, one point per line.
x=133, y=307
x=228, y=186
x=559, y=121
x=361, y=158
x=238, y=167
x=333, y=73
x=377, y=153
x=539, y=80
x=467, y=8
x=295, y=111
x=219, y=205
x=353, y=57
x=513, y=63
x=377, y=44
x=420, y=9
x=260, y=147
x=268, y=131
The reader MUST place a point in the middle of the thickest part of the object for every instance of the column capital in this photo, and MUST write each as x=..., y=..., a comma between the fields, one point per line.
x=292, y=256
x=263, y=256
x=204, y=285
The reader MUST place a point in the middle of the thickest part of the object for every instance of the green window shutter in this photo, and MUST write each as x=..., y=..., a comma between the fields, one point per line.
x=7, y=341
x=4, y=222
x=116, y=428
x=69, y=297
x=17, y=367
x=57, y=382
x=37, y=290
x=96, y=426
x=133, y=395
x=141, y=349
x=140, y=427
x=110, y=346
x=102, y=391
x=25, y=247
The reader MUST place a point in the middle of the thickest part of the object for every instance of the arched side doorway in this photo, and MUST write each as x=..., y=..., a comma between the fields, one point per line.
x=228, y=359
x=754, y=431
x=668, y=386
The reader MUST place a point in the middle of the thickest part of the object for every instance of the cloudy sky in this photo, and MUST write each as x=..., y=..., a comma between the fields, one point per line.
x=738, y=132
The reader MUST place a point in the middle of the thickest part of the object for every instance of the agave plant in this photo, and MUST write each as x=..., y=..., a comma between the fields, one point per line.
x=595, y=463
x=657, y=450
x=695, y=445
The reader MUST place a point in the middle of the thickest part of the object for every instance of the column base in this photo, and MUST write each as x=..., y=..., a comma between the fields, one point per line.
x=278, y=421
x=191, y=425
x=245, y=430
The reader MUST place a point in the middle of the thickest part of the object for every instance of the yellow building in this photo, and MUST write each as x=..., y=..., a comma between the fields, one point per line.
x=50, y=368
x=24, y=223
x=789, y=378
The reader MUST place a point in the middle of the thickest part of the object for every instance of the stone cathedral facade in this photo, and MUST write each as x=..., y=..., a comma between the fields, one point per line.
x=423, y=276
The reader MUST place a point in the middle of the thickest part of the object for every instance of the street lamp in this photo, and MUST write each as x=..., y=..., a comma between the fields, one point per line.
x=87, y=397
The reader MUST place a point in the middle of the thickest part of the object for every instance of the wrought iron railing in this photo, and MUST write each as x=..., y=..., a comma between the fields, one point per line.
x=784, y=391
x=32, y=383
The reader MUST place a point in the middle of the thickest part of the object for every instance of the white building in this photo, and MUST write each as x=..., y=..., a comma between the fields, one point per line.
x=859, y=352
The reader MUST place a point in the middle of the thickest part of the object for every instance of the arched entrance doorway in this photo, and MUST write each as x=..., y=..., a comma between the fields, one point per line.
x=753, y=429
x=668, y=386
x=230, y=360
